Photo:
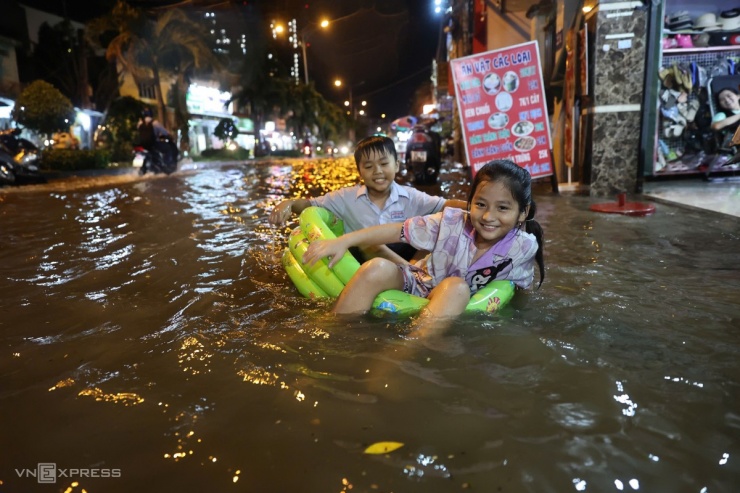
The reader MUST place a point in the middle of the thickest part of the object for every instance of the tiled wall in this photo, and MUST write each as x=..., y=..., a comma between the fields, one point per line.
x=618, y=87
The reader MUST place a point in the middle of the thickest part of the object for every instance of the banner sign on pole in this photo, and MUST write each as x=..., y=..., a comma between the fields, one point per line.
x=503, y=110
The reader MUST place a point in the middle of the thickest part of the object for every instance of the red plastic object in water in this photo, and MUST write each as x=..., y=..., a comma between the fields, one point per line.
x=621, y=206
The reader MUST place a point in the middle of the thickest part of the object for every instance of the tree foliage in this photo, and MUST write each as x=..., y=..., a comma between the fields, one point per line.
x=56, y=59
x=43, y=108
x=144, y=48
x=226, y=129
x=120, y=130
x=268, y=94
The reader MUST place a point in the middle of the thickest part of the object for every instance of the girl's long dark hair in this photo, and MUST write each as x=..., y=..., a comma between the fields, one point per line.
x=519, y=183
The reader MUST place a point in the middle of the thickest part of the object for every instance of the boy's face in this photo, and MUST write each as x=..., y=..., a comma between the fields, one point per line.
x=378, y=171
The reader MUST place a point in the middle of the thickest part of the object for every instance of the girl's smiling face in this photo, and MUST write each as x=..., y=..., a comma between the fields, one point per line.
x=728, y=100
x=494, y=212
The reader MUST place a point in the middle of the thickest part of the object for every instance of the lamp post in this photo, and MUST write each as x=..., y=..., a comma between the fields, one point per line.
x=298, y=38
x=351, y=109
x=323, y=25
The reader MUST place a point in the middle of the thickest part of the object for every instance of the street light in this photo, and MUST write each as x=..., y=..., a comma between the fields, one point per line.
x=349, y=103
x=298, y=37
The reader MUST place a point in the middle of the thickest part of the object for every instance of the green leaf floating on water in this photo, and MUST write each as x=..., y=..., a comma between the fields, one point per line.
x=319, y=375
x=383, y=447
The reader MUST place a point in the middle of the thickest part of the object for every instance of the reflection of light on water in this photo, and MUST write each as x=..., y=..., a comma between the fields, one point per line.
x=625, y=399
x=634, y=484
x=72, y=486
x=579, y=484
x=315, y=332
x=259, y=376
x=62, y=383
x=684, y=380
x=125, y=398
x=270, y=346
x=192, y=351
x=346, y=485
x=426, y=462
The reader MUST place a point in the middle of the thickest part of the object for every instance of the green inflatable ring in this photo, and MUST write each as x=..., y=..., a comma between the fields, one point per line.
x=319, y=281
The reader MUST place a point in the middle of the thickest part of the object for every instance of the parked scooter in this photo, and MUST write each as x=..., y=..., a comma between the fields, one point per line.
x=162, y=159
x=307, y=148
x=19, y=159
x=423, y=153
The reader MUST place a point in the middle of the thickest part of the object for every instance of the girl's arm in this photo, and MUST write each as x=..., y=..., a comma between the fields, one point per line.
x=719, y=125
x=456, y=203
x=335, y=249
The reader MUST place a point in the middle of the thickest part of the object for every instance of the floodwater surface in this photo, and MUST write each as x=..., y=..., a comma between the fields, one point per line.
x=150, y=341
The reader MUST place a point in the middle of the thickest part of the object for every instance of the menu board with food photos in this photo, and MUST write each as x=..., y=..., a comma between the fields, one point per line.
x=503, y=110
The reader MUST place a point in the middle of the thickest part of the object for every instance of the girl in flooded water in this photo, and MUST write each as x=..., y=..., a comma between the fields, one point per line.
x=497, y=238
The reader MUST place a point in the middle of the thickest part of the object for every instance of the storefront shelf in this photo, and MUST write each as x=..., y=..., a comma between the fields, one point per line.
x=682, y=51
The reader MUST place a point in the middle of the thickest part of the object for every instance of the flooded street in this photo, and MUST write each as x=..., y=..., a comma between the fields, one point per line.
x=151, y=341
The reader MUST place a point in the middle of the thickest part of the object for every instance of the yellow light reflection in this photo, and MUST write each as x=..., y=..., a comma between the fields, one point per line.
x=258, y=376
x=71, y=487
x=193, y=352
x=274, y=347
x=315, y=333
x=125, y=398
x=62, y=383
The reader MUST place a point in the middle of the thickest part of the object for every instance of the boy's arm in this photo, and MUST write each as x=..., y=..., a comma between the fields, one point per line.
x=284, y=209
x=384, y=252
x=335, y=249
x=458, y=204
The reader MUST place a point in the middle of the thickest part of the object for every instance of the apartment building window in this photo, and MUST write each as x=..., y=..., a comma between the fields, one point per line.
x=146, y=90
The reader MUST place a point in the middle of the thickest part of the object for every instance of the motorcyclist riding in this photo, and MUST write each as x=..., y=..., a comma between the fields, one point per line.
x=153, y=137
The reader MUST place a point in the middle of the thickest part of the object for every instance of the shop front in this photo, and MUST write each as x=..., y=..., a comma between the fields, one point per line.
x=699, y=53
x=207, y=107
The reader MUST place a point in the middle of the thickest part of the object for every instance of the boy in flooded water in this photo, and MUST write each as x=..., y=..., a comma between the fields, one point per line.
x=378, y=199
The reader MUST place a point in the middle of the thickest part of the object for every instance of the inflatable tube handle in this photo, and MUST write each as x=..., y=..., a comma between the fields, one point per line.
x=319, y=272
x=305, y=286
x=314, y=223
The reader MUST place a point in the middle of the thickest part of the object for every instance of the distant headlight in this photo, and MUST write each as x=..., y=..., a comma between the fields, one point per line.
x=29, y=158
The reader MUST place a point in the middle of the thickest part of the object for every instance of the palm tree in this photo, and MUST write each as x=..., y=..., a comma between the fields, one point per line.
x=144, y=48
x=263, y=90
x=303, y=107
x=267, y=90
x=333, y=120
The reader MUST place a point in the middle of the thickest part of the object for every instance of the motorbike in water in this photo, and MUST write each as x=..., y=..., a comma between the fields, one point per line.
x=161, y=158
x=423, y=153
x=307, y=149
x=19, y=159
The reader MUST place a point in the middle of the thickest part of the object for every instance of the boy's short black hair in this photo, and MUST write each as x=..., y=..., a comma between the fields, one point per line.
x=376, y=143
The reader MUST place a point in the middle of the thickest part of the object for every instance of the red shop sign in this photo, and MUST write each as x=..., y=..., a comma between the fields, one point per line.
x=502, y=105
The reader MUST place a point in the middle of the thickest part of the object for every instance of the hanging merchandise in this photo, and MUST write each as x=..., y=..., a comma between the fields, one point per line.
x=701, y=41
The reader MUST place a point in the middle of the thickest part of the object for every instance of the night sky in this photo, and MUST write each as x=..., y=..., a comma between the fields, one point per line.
x=384, y=48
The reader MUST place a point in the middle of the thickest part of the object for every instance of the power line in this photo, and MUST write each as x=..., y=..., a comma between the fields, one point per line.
x=410, y=76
